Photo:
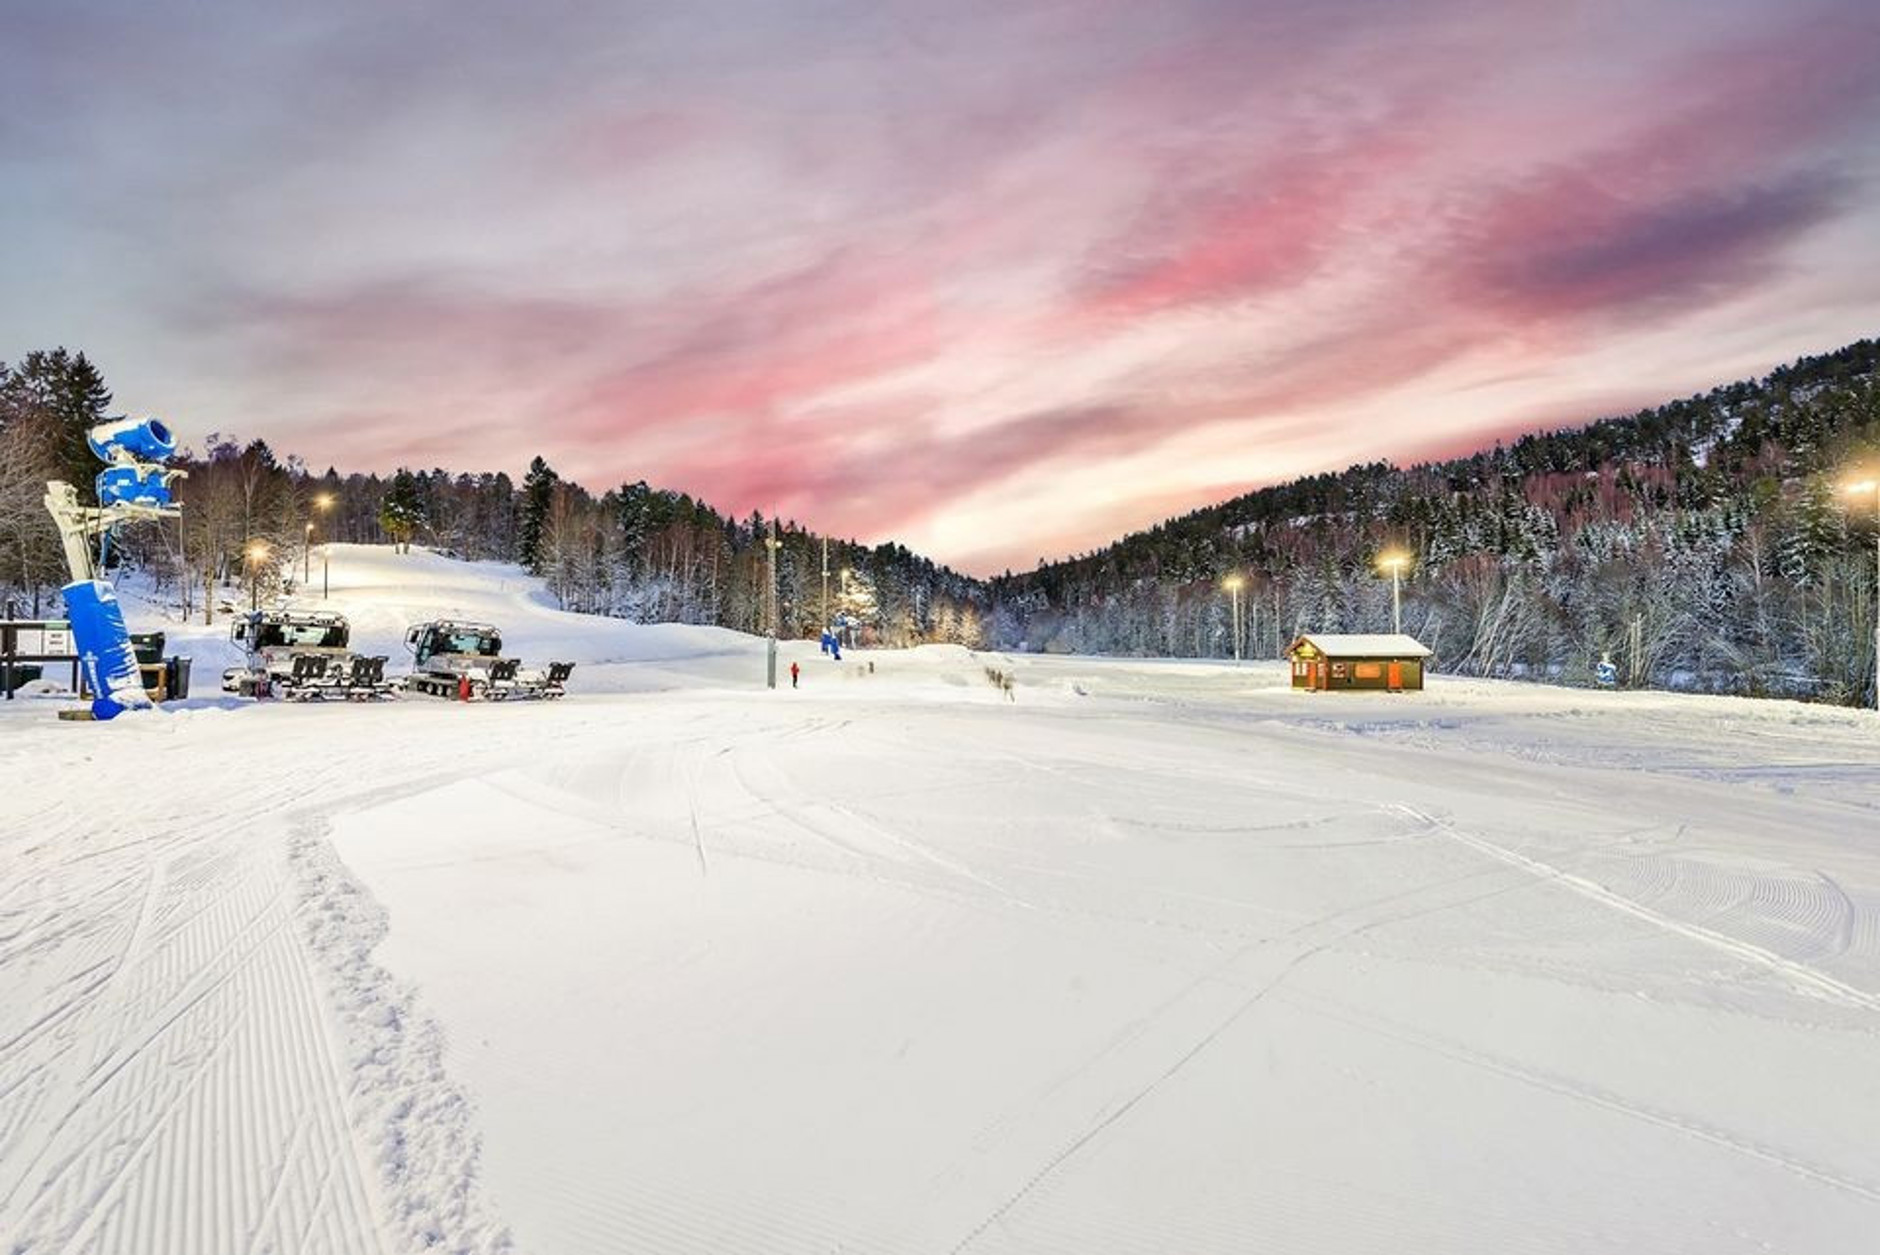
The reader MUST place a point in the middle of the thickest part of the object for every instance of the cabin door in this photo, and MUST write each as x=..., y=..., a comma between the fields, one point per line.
x=1325, y=674
x=1396, y=677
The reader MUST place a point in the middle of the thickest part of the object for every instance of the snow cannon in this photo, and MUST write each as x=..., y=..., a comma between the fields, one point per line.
x=131, y=440
x=128, y=483
x=104, y=649
x=134, y=487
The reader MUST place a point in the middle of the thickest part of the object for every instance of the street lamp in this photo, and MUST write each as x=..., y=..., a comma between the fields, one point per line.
x=321, y=504
x=307, y=547
x=848, y=621
x=1233, y=585
x=1871, y=488
x=1394, y=562
x=772, y=544
x=255, y=553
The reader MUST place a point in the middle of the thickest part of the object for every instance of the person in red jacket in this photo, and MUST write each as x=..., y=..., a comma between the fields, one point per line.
x=794, y=672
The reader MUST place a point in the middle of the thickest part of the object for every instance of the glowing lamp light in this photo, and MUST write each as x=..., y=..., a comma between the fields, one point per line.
x=1394, y=560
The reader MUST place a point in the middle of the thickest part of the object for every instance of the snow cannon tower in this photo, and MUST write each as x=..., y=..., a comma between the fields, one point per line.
x=135, y=485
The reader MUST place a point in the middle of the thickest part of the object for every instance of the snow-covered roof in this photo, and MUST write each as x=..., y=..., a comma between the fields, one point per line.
x=1366, y=645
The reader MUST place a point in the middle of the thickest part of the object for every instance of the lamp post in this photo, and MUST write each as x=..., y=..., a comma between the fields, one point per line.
x=255, y=552
x=847, y=622
x=1233, y=585
x=1395, y=562
x=771, y=545
x=1866, y=488
x=321, y=504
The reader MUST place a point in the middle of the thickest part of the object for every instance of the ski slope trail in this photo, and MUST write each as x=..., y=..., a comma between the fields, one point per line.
x=1133, y=975
x=382, y=593
x=196, y=1054
x=1159, y=956
x=180, y=1070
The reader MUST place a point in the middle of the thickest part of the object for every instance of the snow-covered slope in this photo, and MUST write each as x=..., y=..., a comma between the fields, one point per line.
x=382, y=593
x=1147, y=957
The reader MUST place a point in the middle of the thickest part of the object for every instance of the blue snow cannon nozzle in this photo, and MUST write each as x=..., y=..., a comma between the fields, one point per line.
x=143, y=439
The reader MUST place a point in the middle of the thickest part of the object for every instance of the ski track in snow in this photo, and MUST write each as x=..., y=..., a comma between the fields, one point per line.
x=181, y=1079
x=1799, y=975
x=1008, y=1184
x=181, y=1058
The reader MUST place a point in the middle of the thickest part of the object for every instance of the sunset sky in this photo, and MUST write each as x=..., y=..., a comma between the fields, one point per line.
x=995, y=278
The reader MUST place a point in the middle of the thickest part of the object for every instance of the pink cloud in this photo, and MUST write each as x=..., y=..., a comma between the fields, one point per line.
x=1299, y=208
x=750, y=350
x=1266, y=225
x=1577, y=245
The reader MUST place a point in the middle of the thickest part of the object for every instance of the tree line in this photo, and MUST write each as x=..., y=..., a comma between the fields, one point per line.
x=251, y=516
x=1701, y=544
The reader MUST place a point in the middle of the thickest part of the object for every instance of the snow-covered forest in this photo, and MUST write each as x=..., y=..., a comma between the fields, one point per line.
x=634, y=552
x=1702, y=544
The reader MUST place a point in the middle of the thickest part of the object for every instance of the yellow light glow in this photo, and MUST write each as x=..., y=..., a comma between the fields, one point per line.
x=1393, y=561
x=1863, y=486
x=1233, y=582
x=256, y=551
x=323, y=502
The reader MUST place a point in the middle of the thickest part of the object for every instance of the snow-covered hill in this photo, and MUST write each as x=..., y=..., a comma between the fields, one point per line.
x=1145, y=957
x=382, y=593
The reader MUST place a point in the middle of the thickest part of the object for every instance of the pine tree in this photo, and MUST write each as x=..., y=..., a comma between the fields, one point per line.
x=402, y=511
x=1815, y=528
x=70, y=392
x=856, y=597
x=538, y=494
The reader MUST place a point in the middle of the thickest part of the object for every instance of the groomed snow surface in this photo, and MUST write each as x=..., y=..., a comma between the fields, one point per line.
x=1158, y=957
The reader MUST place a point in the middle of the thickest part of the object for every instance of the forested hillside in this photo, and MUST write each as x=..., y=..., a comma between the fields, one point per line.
x=1710, y=530
x=633, y=551
x=1703, y=544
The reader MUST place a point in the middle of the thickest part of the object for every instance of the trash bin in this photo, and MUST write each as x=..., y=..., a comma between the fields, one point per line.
x=19, y=673
x=178, y=679
x=148, y=646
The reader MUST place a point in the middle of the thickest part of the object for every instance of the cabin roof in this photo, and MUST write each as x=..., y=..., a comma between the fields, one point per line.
x=1364, y=645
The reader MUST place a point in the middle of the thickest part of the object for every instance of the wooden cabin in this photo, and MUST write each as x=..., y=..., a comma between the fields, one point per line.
x=1386, y=661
